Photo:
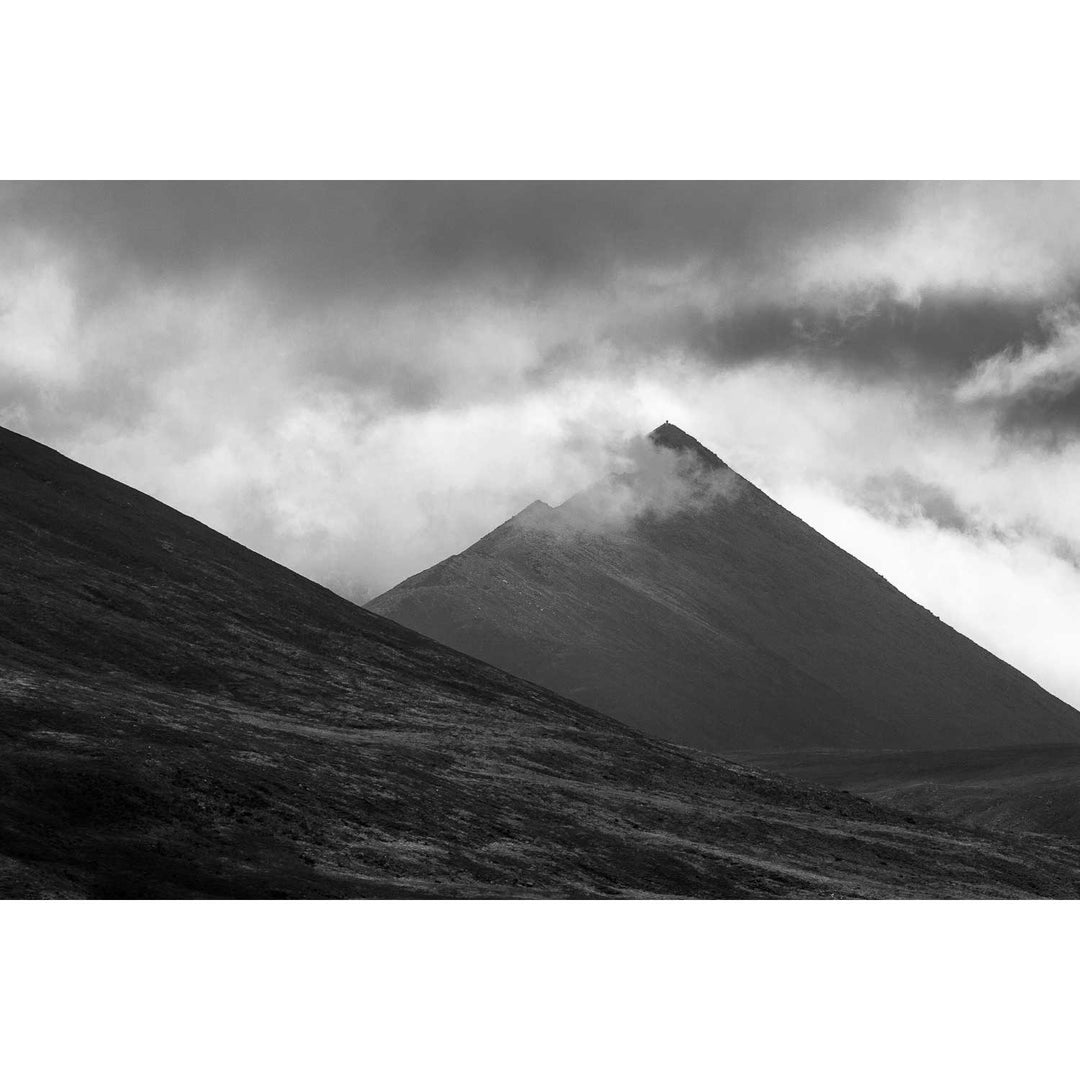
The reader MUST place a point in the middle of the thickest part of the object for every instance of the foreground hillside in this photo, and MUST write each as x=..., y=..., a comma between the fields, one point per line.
x=180, y=717
x=1020, y=788
x=682, y=600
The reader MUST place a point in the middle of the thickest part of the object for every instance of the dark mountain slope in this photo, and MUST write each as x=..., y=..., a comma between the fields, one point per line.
x=684, y=601
x=180, y=717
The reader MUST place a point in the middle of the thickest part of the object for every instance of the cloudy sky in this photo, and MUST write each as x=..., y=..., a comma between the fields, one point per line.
x=360, y=379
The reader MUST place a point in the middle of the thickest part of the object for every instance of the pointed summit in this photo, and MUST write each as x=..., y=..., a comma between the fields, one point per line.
x=671, y=437
x=722, y=624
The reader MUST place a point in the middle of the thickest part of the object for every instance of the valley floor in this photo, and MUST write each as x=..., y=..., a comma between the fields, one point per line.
x=1015, y=788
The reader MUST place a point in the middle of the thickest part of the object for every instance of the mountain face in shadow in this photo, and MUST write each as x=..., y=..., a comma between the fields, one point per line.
x=180, y=717
x=680, y=599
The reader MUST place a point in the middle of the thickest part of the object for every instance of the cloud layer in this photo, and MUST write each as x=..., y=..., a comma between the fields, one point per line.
x=641, y=480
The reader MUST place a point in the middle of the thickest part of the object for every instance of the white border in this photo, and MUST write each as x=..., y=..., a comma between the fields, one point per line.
x=509, y=989
x=560, y=90
x=941, y=90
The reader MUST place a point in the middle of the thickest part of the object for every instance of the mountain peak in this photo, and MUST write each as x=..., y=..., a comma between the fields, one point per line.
x=727, y=625
x=537, y=508
x=671, y=437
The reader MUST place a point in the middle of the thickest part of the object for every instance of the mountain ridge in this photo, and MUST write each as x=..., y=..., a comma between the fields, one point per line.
x=725, y=623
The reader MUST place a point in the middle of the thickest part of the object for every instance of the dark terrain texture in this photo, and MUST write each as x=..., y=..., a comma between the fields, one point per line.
x=723, y=624
x=1020, y=788
x=180, y=717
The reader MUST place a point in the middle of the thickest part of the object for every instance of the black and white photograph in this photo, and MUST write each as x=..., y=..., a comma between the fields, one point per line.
x=678, y=536
x=583, y=540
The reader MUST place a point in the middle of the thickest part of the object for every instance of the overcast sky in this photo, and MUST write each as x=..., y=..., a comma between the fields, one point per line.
x=360, y=379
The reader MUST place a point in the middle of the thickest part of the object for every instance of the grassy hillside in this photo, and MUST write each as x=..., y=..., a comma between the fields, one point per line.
x=180, y=717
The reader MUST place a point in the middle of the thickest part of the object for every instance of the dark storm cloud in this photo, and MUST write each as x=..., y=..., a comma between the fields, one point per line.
x=371, y=283
x=939, y=334
x=1032, y=390
x=1050, y=418
x=937, y=341
x=901, y=497
x=333, y=239
x=378, y=288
